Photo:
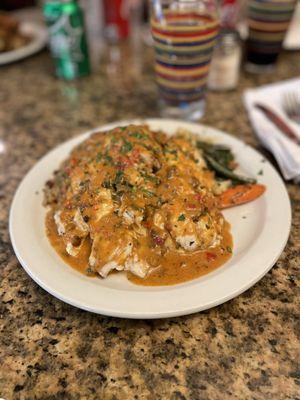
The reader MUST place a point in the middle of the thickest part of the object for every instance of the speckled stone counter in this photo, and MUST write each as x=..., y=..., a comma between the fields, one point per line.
x=247, y=348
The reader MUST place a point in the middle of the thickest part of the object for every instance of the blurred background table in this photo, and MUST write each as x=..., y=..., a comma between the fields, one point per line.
x=245, y=349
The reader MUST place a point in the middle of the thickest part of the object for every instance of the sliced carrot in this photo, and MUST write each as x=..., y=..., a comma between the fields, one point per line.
x=240, y=194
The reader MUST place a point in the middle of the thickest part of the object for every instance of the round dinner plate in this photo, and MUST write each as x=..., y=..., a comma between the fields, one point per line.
x=260, y=231
x=38, y=35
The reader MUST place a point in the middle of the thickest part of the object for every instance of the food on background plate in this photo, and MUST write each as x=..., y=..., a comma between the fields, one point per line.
x=139, y=201
x=10, y=36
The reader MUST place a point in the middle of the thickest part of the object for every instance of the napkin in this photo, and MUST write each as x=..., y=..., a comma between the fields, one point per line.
x=285, y=151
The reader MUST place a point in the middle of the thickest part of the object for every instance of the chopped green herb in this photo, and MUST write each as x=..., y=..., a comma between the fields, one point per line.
x=127, y=146
x=118, y=177
x=150, y=178
x=114, y=139
x=106, y=184
x=89, y=271
x=181, y=217
x=260, y=172
x=138, y=135
x=147, y=147
x=108, y=158
x=122, y=128
x=171, y=151
x=128, y=185
x=147, y=192
x=229, y=249
x=99, y=157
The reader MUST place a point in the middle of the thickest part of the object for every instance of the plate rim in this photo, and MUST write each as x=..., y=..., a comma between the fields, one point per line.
x=37, y=43
x=145, y=315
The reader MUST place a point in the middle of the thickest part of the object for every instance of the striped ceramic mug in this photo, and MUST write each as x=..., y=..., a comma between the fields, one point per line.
x=184, y=34
x=268, y=21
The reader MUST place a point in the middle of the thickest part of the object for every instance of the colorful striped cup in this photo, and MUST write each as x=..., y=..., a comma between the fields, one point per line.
x=183, y=43
x=268, y=21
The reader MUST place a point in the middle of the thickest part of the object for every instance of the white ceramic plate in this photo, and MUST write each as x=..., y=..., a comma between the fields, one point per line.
x=260, y=230
x=38, y=40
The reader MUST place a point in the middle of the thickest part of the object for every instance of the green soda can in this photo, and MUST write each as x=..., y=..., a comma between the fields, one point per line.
x=67, y=38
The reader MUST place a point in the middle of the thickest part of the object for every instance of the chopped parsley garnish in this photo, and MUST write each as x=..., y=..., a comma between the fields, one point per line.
x=171, y=151
x=108, y=159
x=138, y=135
x=181, y=217
x=129, y=185
x=106, y=184
x=151, y=178
x=118, y=177
x=260, y=172
x=127, y=146
x=148, y=193
x=99, y=157
x=229, y=249
x=147, y=147
x=114, y=139
x=89, y=271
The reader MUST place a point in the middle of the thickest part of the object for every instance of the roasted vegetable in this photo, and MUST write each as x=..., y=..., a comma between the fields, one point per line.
x=220, y=159
x=225, y=172
x=221, y=153
x=240, y=194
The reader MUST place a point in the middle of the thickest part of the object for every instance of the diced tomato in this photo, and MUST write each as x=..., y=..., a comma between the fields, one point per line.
x=124, y=162
x=191, y=206
x=210, y=256
x=158, y=240
x=73, y=161
x=198, y=196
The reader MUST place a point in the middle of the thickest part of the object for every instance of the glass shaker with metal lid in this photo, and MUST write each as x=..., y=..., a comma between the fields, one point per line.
x=225, y=67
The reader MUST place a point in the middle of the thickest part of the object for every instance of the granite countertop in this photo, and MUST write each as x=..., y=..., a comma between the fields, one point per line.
x=247, y=348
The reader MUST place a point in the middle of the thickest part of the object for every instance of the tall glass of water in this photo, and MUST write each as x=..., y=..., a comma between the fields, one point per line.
x=184, y=33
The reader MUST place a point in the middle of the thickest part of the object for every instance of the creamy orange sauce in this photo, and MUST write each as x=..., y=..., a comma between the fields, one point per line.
x=80, y=263
x=170, y=269
x=176, y=268
x=138, y=201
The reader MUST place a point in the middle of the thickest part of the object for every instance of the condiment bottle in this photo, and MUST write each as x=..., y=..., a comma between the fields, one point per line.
x=67, y=38
x=225, y=64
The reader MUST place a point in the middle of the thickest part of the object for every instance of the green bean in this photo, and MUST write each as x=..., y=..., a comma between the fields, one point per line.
x=225, y=172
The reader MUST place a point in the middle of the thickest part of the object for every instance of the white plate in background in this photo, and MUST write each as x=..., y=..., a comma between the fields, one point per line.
x=38, y=35
x=260, y=231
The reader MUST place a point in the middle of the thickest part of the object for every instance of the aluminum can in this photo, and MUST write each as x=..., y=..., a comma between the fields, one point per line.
x=67, y=38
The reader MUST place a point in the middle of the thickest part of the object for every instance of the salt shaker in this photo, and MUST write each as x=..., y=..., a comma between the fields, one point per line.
x=225, y=64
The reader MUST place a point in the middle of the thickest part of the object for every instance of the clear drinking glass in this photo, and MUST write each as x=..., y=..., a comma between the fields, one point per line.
x=268, y=21
x=184, y=34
